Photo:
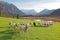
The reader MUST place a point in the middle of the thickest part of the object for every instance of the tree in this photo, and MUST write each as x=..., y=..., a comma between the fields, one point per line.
x=17, y=16
x=0, y=11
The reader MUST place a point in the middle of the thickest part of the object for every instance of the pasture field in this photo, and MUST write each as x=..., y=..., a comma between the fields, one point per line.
x=34, y=33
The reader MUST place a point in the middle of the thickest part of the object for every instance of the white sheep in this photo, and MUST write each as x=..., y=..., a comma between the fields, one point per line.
x=27, y=27
x=47, y=23
x=43, y=23
x=24, y=27
x=50, y=22
x=15, y=25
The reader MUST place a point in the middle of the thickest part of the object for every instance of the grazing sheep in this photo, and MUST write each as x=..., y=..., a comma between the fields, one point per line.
x=47, y=23
x=43, y=23
x=34, y=23
x=24, y=28
x=10, y=23
x=39, y=23
x=50, y=22
x=15, y=25
x=21, y=23
x=27, y=26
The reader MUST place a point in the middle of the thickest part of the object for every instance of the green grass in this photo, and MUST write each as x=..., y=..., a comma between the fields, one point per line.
x=34, y=33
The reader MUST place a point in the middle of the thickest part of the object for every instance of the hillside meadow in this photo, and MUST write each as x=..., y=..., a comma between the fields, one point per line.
x=34, y=33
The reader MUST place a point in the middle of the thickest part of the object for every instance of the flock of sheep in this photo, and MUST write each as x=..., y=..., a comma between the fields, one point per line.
x=22, y=26
x=25, y=27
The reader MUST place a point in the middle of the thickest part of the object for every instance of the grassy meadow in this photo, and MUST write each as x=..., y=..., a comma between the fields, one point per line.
x=34, y=33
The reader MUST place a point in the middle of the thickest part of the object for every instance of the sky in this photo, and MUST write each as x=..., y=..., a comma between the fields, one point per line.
x=38, y=5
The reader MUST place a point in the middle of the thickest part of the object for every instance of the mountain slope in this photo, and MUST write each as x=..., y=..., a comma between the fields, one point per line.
x=45, y=12
x=56, y=12
x=9, y=9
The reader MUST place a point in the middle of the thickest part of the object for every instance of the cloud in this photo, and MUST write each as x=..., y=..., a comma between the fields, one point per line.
x=36, y=4
x=51, y=5
x=39, y=1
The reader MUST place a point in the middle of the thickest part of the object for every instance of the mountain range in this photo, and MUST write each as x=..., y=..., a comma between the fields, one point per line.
x=45, y=12
x=12, y=10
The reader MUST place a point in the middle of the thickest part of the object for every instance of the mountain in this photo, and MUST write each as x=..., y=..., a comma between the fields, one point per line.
x=29, y=12
x=45, y=12
x=9, y=9
x=56, y=12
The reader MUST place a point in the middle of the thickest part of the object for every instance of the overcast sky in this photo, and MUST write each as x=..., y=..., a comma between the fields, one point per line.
x=36, y=4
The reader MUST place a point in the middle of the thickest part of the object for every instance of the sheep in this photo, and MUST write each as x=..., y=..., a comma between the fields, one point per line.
x=30, y=23
x=34, y=23
x=43, y=23
x=10, y=23
x=24, y=28
x=15, y=25
x=21, y=23
x=47, y=23
x=27, y=26
x=50, y=22
x=39, y=23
